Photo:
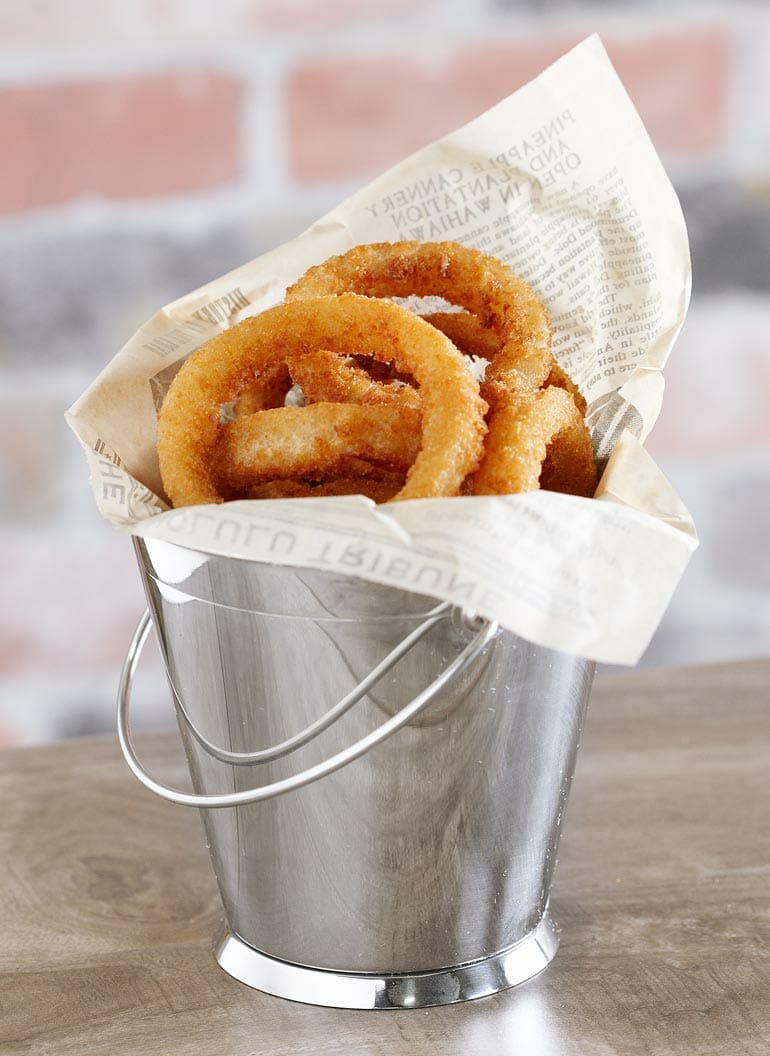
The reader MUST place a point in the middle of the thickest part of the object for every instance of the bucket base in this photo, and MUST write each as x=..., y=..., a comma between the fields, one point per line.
x=446, y=986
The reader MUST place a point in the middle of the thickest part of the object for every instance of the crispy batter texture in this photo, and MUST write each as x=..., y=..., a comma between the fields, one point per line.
x=453, y=428
x=520, y=438
x=560, y=379
x=313, y=442
x=482, y=285
x=360, y=433
x=377, y=490
x=268, y=390
x=325, y=376
x=501, y=301
x=467, y=333
x=380, y=371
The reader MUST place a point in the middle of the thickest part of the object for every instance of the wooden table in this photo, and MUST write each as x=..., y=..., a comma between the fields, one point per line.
x=109, y=910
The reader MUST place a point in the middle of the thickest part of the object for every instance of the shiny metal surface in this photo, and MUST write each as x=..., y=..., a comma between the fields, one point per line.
x=435, y=848
x=464, y=982
x=486, y=631
x=315, y=728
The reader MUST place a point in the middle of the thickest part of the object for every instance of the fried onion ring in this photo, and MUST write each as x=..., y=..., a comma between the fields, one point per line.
x=324, y=376
x=313, y=442
x=501, y=301
x=453, y=429
x=521, y=437
x=467, y=333
x=377, y=490
x=482, y=285
x=265, y=392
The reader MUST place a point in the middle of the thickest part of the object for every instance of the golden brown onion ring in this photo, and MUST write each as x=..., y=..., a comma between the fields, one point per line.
x=313, y=442
x=467, y=333
x=520, y=437
x=502, y=302
x=377, y=490
x=268, y=390
x=452, y=410
x=324, y=376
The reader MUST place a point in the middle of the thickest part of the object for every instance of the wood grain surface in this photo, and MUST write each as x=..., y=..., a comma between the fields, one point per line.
x=109, y=909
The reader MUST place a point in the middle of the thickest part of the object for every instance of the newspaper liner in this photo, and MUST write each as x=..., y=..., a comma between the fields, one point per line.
x=561, y=182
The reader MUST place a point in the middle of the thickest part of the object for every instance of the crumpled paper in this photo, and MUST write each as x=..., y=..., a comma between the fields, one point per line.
x=561, y=182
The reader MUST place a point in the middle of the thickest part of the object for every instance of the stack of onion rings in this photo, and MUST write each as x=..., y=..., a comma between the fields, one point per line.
x=503, y=322
x=190, y=427
x=392, y=410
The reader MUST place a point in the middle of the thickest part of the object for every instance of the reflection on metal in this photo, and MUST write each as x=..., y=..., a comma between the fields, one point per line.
x=446, y=986
x=399, y=877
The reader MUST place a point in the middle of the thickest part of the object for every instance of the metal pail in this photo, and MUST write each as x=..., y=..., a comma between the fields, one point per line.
x=383, y=778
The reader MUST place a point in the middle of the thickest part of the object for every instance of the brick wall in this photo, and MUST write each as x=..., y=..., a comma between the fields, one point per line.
x=149, y=147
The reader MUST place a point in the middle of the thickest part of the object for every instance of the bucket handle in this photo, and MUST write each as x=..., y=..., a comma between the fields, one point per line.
x=314, y=729
x=485, y=631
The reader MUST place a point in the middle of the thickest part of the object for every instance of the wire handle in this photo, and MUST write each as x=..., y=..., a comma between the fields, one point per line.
x=485, y=630
x=314, y=729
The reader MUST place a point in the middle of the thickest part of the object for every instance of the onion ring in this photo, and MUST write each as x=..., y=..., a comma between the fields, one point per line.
x=482, y=285
x=265, y=392
x=453, y=427
x=520, y=438
x=377, y=490
x=467, y=333
x=313, y=442
x=324, y=376
x=502, y=302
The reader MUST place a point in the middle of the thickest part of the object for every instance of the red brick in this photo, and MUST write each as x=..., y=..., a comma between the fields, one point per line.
x=352, y=117
x=679, y=83
x=119, y=138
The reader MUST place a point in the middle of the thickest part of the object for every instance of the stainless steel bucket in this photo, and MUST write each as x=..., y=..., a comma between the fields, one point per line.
x=383, y=778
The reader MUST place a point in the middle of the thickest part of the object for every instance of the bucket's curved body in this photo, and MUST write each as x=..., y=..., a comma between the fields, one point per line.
x=434, y=850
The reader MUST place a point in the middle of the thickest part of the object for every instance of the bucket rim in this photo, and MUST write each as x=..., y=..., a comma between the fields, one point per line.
x=173, y=592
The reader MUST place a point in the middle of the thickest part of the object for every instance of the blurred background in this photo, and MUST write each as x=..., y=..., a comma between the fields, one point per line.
x=149, y=147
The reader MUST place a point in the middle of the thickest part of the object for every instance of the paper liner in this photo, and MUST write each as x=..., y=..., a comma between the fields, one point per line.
x=561, y=182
